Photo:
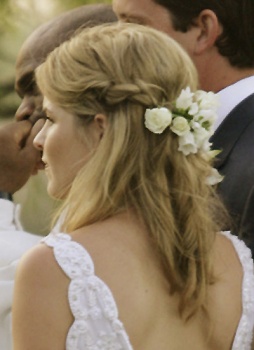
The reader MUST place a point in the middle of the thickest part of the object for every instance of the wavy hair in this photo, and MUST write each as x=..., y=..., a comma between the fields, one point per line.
x=120, y=70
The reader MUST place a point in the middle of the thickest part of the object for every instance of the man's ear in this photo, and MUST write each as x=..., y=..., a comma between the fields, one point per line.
x=210, y=30
x=101, y=122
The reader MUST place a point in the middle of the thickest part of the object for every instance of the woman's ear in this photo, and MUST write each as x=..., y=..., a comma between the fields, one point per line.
x=210, y=30
x=101, y=122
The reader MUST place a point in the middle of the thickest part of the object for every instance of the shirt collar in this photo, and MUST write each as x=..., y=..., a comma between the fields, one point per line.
x=231, y=96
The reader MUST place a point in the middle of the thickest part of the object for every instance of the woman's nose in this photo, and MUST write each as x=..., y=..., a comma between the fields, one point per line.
x=39, y=131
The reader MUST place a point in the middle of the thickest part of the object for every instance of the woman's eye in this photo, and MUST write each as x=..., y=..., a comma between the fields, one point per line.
x=49, y=120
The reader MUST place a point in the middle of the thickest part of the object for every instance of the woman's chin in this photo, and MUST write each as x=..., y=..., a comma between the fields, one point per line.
x=55, y=192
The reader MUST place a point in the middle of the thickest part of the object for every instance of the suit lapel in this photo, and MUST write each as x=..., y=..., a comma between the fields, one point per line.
x=230, y=130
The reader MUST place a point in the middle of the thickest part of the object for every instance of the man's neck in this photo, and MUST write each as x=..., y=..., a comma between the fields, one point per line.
x=217, y=74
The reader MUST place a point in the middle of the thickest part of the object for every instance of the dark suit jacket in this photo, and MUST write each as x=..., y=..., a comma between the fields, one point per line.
x=235, y=137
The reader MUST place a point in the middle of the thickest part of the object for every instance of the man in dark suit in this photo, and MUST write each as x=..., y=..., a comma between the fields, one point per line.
x=235, y=137
x=219, y=37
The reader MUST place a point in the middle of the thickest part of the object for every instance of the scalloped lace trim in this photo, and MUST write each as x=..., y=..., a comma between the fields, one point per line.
x=96, y=325
x=244, y=333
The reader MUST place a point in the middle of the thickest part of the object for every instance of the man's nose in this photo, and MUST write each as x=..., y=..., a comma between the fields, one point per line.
x=25, y=109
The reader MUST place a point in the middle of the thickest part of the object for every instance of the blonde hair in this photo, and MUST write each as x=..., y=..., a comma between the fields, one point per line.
x=120, y=70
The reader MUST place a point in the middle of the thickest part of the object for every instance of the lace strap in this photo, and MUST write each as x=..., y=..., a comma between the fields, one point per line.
x=245, y=329
x=69, y=254
x=96, y=325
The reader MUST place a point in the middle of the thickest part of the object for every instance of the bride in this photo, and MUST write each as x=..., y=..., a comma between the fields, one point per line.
x=140, y=263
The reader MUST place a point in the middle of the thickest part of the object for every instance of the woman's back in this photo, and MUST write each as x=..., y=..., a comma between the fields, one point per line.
x=127, y=263
x=127, y=128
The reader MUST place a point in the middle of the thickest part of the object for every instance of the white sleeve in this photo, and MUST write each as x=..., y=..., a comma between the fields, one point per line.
x=14, y=242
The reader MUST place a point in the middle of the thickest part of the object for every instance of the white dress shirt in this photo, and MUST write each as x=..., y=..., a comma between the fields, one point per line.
x=14, y=242
x=231, y=96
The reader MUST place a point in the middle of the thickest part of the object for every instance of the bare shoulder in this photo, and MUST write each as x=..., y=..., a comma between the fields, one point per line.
x=38, y=268
x=228, y=271
x=40, y=300
x=226, y=255
x=33, y=260
x=225, y=313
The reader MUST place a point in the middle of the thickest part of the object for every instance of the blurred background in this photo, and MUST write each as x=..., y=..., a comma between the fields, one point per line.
x=18, y=18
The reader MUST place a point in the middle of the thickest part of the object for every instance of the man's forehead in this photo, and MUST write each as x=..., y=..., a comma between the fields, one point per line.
x=146, y=12
x=27, y=62
x=32, y=53
x=132, y=7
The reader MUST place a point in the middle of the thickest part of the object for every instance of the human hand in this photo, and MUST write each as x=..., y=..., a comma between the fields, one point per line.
x=18, y=157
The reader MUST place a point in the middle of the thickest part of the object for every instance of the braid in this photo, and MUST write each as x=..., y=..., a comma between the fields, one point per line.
x=138, y=92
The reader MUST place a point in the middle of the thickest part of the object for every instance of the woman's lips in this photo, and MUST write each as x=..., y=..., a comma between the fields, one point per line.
x=40, y=165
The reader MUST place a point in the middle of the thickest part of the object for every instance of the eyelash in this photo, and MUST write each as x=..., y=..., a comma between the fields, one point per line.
x=49, y=119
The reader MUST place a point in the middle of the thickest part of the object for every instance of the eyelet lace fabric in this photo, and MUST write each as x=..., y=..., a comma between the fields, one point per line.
x=96, y=325
x=244, y=333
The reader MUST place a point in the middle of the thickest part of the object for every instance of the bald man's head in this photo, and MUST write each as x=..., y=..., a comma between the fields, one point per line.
x=44, y=40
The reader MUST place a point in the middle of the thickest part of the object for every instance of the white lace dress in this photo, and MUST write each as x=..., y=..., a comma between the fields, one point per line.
x=96, y=325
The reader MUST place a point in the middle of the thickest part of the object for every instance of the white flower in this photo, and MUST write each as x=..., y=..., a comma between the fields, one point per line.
x=201, y=135
x=180, y=126
x=206, y=115
x=192, y=119
x=214, y=177
x=206, y=146
x=184, y=101
x=194, y=108
x=158, y=119
x=206, y=100
x=195, y=125
x=187, y=144
x=199, y=95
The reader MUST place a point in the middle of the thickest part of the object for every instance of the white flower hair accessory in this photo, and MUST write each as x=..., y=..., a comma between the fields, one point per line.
x=191, y=118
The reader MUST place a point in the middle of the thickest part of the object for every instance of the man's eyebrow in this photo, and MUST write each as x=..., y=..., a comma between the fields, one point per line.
x=132, y=18
x=26, y=80
x=26, y=84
